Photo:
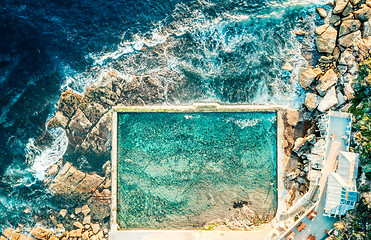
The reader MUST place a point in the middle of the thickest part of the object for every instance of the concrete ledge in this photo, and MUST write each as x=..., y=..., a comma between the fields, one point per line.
x=200, y=107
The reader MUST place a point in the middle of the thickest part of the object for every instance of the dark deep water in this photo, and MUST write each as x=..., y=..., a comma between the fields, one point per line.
x=229, y=51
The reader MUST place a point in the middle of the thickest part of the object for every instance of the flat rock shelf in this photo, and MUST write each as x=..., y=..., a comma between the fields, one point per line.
x=185, y=170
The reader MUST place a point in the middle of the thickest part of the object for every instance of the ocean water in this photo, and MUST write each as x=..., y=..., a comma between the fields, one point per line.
x=212, y=50
x=180, y=170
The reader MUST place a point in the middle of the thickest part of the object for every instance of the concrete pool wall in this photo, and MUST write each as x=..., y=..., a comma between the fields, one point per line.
x=197, y=234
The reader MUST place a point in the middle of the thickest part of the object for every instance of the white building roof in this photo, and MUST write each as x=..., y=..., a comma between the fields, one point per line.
x=348, y=166
x=341, y=192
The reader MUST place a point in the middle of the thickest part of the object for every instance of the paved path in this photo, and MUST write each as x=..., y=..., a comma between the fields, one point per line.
x=317, y=225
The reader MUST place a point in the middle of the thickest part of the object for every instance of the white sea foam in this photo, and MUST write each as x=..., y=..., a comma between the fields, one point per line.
x=41, y=159
x=245, y=122
x=163, y=53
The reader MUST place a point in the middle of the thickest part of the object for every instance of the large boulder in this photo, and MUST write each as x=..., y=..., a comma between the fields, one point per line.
x=362, y=48
x=334, y=19
x=364, y=13
x=347, y=11
x=349, y=39
x=349, y=26
x=311, y=101
x=321, y=29
x=303, y=144
x=288, y=67
x=326, y=81
x=326, y=41
x=340, y=5
x=322, y=12
x=319, y=147
x=347, y=58
x=9, y=234
x=328, y=101
x=306, y=77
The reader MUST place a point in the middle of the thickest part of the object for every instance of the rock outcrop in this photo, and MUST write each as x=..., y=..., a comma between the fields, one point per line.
x=72, y=185
x=87, y=119
x=343, y=41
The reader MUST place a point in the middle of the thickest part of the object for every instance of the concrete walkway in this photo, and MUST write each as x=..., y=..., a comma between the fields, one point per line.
x=265, y=234
x=318, y=225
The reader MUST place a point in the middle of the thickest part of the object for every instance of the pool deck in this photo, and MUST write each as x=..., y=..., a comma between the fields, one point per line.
x=194, y=235
x=338, y=126
x=265, y=233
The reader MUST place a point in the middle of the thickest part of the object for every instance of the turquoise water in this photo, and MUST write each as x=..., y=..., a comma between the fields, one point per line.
x=182, y=171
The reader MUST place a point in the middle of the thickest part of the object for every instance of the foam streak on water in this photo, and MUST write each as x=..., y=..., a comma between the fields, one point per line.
x=41, y=159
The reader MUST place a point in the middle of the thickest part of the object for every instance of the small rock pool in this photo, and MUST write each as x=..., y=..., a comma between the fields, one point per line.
x=189, y=170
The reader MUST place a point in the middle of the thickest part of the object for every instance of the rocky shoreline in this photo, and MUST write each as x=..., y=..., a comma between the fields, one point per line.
x=343, y=41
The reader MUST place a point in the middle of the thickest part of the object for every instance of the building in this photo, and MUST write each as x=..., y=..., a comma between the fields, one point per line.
x=341, y=194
